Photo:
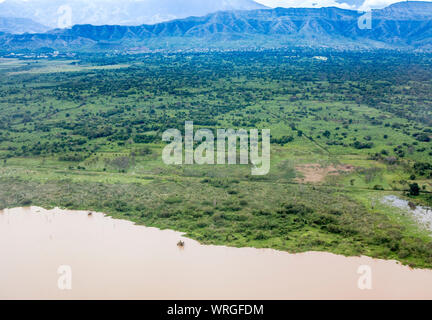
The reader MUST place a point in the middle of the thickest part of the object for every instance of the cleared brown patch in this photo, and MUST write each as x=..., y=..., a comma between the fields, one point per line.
x=315, y=173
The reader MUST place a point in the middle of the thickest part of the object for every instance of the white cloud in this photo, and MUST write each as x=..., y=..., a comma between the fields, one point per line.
x=378, y=4
x=367, y=4
x=304, y=3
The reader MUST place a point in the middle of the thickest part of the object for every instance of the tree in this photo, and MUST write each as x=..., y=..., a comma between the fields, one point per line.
x=414, y=189
x=423, y=137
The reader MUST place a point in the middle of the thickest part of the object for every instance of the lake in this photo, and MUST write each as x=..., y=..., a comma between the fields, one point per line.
x=115, y=259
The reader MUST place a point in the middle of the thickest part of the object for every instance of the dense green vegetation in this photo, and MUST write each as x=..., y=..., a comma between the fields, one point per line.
x=346, y=131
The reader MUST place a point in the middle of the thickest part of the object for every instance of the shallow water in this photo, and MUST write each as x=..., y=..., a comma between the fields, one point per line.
x=422, y=215
x=114, y=259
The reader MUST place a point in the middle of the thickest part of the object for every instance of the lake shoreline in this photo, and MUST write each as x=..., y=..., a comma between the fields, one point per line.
x=106, y=266
x=184, y=235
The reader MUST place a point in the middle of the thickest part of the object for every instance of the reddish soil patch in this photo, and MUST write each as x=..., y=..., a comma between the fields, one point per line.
x=315, y=173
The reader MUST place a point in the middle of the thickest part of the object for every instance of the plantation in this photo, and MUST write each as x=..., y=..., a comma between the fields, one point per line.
x=86, y=133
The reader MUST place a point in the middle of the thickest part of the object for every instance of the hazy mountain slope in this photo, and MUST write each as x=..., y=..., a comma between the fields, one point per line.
x=407, y=23
x=20, y=25
x=124, y=12
x=412, y=10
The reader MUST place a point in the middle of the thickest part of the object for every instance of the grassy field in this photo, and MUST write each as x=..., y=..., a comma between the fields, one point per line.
x=86, y=134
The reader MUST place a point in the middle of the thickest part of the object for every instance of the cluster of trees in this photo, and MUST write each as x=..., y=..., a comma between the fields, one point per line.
x=423, y=169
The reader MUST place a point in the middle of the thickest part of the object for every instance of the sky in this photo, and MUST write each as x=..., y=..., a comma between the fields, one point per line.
x=346, y=4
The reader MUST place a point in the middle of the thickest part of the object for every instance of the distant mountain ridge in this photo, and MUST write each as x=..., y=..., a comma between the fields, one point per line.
x=21, y=25
x=402, y=25
x=412, y=10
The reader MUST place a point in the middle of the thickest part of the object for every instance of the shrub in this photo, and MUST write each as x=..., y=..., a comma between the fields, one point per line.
x=414, y=189
x=243, y=203
x=173, y=200
x=26, y=202
x=261, y=236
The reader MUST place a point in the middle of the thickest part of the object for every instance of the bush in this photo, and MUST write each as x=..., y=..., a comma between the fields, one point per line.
x=26, y=202
x=120, y=206
x=173, y=200
x=361, y=145
x=422, y=137
x=295, y=209
x=414, y=189
x=243, y=203
x=261, y=236
x=72, y=158
x=282, y=141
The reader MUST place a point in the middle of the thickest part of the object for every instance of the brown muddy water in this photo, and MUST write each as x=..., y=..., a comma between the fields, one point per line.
x=115, y=259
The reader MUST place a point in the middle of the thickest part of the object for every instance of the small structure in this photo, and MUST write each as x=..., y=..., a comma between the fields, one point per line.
x=180, y=244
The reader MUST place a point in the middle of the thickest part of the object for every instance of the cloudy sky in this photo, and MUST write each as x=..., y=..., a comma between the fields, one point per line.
x=347, y=4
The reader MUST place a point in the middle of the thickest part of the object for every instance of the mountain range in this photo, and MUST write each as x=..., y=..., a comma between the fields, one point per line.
x=405, y=25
